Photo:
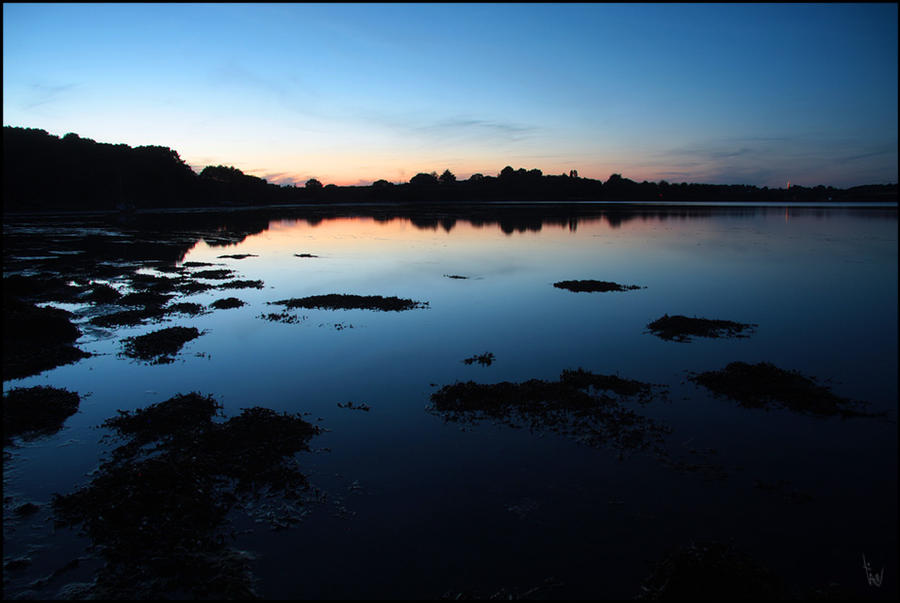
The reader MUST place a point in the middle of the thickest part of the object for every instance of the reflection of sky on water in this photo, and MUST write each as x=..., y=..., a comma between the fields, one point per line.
x=821, y=286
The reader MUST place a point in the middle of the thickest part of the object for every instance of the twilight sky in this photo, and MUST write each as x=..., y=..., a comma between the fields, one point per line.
x=350, y=93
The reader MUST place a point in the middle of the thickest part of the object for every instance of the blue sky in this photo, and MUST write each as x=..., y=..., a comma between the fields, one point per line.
x=350, y=93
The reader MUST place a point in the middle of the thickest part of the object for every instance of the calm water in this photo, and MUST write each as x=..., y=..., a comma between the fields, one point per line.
x=418, y=506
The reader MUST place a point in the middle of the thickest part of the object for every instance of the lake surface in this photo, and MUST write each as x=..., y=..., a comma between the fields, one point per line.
x=418, y=506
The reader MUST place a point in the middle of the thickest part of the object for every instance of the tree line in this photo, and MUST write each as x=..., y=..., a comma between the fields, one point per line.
x=43, y=171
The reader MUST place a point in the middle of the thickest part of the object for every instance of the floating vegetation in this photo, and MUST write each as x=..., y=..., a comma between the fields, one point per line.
x=144, y=298
x=36, y=411
x=578, y=405
x=220, y=274
x=284, y=317
x=681, y=328
x=157, y=508
x=351, y=405
x=340, y=326
x=305, y=255
x=485, y=359
x=456, y=276
x=159, y=346
x=190, y=287
x=764, y=385
x=103, y=294
x=227, y=302
x=47, y=287
x=149, y=282
x=186, y=308
x=239, y=256
x=36, y=339
x=590, y=285
x=238, y=284
x=340, y=301
x=711, y=572
x=196, y=264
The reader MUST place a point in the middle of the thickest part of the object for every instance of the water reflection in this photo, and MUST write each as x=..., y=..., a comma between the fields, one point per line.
x=820, y=286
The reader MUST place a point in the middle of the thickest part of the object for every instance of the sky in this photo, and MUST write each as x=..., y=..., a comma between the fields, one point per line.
x=758, y=94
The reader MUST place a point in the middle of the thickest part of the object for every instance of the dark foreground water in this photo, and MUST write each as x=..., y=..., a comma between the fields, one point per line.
x=408, y=504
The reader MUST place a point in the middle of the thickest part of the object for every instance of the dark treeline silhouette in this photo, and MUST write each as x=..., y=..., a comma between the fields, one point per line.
x=45, y=172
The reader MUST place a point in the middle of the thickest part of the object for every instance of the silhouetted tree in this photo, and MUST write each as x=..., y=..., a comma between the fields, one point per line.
x=313, y=185
x=476, y=177
x=447, y=177
x=423, y=179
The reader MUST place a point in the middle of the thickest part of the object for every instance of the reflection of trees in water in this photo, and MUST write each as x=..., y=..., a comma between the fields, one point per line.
x=79, y=246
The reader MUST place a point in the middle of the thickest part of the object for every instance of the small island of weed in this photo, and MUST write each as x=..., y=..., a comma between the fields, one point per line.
x=682, y=328
x=591, y=286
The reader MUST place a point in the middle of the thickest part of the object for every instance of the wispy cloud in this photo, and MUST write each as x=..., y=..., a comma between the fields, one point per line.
x=43, y=94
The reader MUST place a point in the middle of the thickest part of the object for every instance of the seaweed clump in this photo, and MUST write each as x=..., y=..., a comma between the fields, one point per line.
x=578, y=405
x=590, y=286
x=157, y=508
x=712, y=572
x=36, y=411
x=214, y=274
x=305, y=255
x=238, y=256
x=242, y=284
x=681, y=328
x=764, y=385
x=227, y=302
x=159, y=346
x=340, y=301
x=485, y=359
x=36, y=339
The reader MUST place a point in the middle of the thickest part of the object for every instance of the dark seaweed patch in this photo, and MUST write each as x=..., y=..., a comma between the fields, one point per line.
x=159, y=346
x=351, y=405
x=186, y=308
x=189, y=287
x=485, y=359
x=227, y=302
x=239, y=256
x=764, y=385
x=339, y=301
x=239, y=284
x=144, y=298
x=578, y=405
x=456, y=276
x=36, y=411
x=681, y=328
x=36, y=339
x=103, y=294
x=305, y=255
x=157, y=508
x=589, y=285
x=214, y=274
x=284, y=317
x=196, y=264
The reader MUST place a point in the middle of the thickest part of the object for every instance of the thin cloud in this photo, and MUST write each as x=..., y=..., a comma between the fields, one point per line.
x=42, y=94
